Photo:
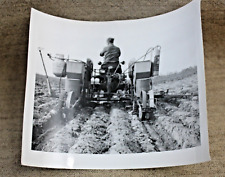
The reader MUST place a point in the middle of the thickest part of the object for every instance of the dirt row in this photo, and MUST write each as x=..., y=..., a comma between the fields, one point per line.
x=116, y=131
x=181, y=122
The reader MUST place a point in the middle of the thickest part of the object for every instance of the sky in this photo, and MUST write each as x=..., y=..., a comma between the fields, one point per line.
x=175, y=32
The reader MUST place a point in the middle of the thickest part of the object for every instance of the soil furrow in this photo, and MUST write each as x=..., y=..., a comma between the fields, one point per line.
x=93, y=138
x=141, y=134
x=63, y=137
x=181, y=126
x=154, y=136
x=121, y=134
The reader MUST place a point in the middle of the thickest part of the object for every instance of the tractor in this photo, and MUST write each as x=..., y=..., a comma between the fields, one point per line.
x=110, y=85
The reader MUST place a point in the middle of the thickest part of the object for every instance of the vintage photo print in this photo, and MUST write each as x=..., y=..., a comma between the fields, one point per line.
x=130, y=90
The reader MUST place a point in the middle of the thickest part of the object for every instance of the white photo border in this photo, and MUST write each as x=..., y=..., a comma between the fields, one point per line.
x=115, y=161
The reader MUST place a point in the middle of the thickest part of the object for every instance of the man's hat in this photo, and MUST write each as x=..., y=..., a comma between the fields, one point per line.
x=110, y=40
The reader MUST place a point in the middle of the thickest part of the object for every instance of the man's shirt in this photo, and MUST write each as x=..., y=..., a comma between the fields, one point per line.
x=111, y=53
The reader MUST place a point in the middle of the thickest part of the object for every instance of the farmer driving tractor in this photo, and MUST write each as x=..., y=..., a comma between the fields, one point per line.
x=111, y=55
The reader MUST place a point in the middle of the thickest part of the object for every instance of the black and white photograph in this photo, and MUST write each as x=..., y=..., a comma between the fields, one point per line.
x=116, y=88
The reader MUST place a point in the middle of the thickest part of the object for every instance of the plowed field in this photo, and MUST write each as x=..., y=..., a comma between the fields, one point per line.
x=99, y=130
